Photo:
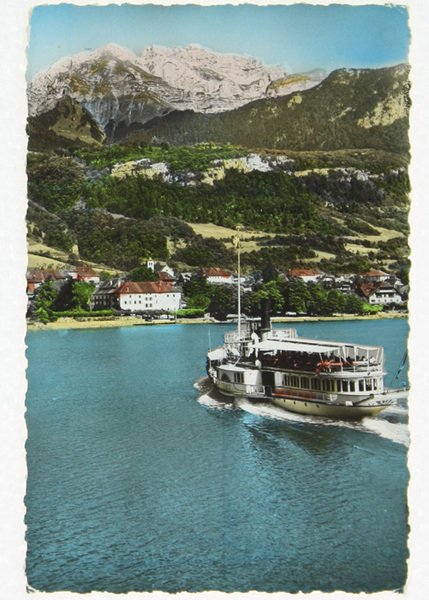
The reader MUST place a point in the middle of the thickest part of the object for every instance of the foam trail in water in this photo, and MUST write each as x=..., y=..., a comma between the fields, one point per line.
x=203, y=383
x=395, y=432
x=395, y=409
x=208, y=400
x=209, y=397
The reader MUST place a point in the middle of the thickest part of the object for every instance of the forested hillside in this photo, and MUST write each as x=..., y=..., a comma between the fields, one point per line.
x=320, y=206
x=349, y=109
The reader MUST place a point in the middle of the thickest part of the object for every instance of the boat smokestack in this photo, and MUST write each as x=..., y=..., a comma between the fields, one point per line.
x=265, y=316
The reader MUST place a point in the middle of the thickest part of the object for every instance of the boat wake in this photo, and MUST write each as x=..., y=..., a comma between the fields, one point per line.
x=391, y=424
x=396, y=432
x=210, y=397
x=381, y=425
x=207, y=400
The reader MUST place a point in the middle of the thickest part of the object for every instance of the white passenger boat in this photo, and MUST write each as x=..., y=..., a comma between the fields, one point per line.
x=326, y=378
x=330, y=379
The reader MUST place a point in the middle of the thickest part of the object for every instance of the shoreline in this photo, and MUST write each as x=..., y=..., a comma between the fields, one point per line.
x=129, y=321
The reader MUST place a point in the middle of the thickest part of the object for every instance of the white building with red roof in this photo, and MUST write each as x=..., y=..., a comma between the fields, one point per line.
x=375, y=275
x=379, y=293
x=216, y=275
x=83, y=273
x=306, y=275
x=142, y=296
x=86, y=273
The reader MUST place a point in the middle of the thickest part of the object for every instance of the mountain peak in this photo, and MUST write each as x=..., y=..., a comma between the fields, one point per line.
x=121, y=89
x=115, y=51
x=210, y=81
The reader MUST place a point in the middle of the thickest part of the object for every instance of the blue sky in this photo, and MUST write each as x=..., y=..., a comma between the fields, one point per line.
x=298, y=37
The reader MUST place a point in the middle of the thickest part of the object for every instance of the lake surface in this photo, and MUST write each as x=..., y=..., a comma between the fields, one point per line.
x=138, y=481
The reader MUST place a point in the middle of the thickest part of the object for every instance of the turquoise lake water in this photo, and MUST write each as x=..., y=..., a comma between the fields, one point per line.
x=138, y=481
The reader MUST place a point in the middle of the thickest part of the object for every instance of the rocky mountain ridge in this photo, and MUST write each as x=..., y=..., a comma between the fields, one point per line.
x=109, y=83
x=351, y=108
x=212, y=82
x=191, y=95
x=119, y=88
x=65, y=125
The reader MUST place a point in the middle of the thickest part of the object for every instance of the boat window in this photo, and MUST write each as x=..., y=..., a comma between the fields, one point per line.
x=345, y=385
x=352, y=386
x=361, y=385
x=368, y=385
x=294, y=381
x=286, y=380
x=315, y=384
x=338, y=385
x=375, y=384
x=328, y=385
x=238, y=377
x=305, y=382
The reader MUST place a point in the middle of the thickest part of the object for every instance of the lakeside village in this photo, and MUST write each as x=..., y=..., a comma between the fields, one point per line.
x=156, y=292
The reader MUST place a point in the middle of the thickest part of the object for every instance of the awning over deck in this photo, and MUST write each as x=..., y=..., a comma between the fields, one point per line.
x=292, y=346
x=216, y=354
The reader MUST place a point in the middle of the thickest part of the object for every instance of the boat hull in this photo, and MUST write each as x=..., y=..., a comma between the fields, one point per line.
x=306, y=405
x=334, y=411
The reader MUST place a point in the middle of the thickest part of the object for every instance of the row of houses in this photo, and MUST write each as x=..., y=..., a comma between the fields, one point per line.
x=115, y=293
x=374, y=286
x=219, y=275
x=36, y=277
x=166, y=296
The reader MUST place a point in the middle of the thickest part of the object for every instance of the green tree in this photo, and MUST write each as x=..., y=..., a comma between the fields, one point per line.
x=297, y=296
x=198, y=292
x=267, y=291
x=201, y=301
x=317, y=302
x=269, y=272
x=45, y=299
x=205, y=252
x=353, y=304
x=59, y=238
x=223, y=301
x=250, y=304
x=81, y=294
x=54, y=182
x=64, y=298
x=336, y=302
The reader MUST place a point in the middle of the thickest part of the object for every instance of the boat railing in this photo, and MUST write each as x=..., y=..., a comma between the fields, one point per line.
x=281, y=334
x=233, y=337
x=243, y=388
x=326, y=367
x=319, y=367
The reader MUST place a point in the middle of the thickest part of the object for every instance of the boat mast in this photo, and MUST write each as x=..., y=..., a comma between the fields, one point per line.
x=236, y=242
